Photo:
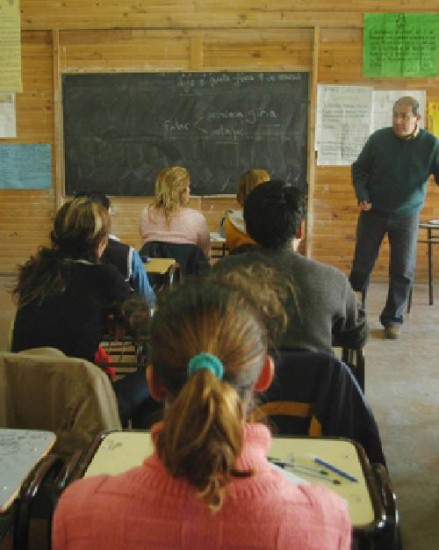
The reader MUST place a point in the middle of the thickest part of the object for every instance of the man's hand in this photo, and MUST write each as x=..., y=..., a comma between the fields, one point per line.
x=365, y=205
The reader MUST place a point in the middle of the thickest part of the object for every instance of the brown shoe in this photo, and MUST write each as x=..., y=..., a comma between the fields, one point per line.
x=391, y=332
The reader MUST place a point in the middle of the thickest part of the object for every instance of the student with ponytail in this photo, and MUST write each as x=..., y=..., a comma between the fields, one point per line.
x=209, y=483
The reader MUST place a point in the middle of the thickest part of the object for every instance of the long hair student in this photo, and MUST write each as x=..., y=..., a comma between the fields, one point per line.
x=168, y=218
x=233, y=225
x=80, y=233
x=208, y=483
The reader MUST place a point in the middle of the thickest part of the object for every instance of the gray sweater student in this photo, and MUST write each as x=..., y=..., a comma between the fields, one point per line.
x=320, y=305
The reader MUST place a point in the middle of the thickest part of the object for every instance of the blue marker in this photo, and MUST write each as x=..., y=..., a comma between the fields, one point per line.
x=334, y=469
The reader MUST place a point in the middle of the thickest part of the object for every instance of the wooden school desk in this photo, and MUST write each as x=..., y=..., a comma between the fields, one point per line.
x=20, y=451
x=166, y=267
x=160, y=266
x=217, y=245
x=114, y=452
x=431, y=239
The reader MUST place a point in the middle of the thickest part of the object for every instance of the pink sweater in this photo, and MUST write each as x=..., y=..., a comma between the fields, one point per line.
x=146, y=508
x=186, y=226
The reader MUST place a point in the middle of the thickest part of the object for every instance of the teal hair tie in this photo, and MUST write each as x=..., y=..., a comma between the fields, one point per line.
x=206, y=361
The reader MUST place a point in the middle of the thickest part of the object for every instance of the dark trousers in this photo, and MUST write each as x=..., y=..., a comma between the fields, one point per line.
x=402, y=232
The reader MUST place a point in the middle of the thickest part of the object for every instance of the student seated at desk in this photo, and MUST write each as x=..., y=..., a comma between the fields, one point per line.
x=233, y=225
x=168, y=219
x=65, y=294
x=124, y=257
x=318, y=299
x=209, y=483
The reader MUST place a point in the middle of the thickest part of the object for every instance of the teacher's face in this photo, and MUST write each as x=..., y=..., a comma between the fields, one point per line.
x=404, y=121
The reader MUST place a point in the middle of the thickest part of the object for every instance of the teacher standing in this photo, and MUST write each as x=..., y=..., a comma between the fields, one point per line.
x=390, y=179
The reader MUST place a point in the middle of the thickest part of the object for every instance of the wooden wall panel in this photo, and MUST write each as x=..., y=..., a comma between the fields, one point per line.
x=25, y=223
x=226, y=14
x=118, y=53
x=26, y=216
x=80, y=14
x=35, y=104
x=180, y=35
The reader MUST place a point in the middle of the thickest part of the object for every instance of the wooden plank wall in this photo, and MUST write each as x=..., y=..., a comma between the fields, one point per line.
x=189, y=35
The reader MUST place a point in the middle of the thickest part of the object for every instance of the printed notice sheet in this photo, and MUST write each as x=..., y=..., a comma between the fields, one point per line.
x=400, y=44
x=347, y=115
x=10, y=46
x=343, y=123
x=7, y=116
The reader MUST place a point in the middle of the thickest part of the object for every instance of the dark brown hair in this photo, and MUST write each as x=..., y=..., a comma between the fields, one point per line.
x=79, y=226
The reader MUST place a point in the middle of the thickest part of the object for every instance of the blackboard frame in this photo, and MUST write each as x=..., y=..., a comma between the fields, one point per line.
x=120, y=129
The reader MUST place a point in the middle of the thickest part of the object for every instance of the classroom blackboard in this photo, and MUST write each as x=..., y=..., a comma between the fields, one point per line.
x=121, y=129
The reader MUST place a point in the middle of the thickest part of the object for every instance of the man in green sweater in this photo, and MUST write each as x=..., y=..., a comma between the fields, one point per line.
x=390, y=179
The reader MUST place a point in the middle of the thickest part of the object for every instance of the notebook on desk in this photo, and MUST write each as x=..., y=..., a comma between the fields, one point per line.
x=20, y=452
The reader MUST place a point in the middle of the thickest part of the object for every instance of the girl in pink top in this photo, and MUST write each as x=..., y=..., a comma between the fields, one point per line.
x=168, y=219
x=209, y=484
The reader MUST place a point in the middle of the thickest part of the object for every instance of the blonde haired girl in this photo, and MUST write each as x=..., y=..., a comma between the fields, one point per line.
x=168, y=219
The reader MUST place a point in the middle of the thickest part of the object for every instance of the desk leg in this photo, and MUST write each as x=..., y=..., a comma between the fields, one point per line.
x=430, y=268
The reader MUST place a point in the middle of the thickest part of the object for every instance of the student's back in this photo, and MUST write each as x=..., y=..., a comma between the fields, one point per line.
x=169, y=219
x=123, y=256
x=64, y=293
x=74, y=320
x=145, y=508
x=209, y=483
x=318, y=300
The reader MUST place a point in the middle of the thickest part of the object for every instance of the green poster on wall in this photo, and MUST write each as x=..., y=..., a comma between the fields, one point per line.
x=400, y=44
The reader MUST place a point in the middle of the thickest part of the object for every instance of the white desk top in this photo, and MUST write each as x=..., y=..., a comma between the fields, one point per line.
x=216, y=237
x=122, y=450
x=432, y=224
x=20, y=451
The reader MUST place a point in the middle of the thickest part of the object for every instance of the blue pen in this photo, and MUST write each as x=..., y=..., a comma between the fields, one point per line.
x=334, y=469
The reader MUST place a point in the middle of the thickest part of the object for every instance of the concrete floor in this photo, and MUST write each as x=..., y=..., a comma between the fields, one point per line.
x=402, y=386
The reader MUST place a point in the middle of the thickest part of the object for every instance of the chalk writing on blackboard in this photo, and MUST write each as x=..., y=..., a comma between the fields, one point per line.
x=121, y=129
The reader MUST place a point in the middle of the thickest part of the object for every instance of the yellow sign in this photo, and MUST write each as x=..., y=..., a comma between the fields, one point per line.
x=10, y=46
x=433, y=117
